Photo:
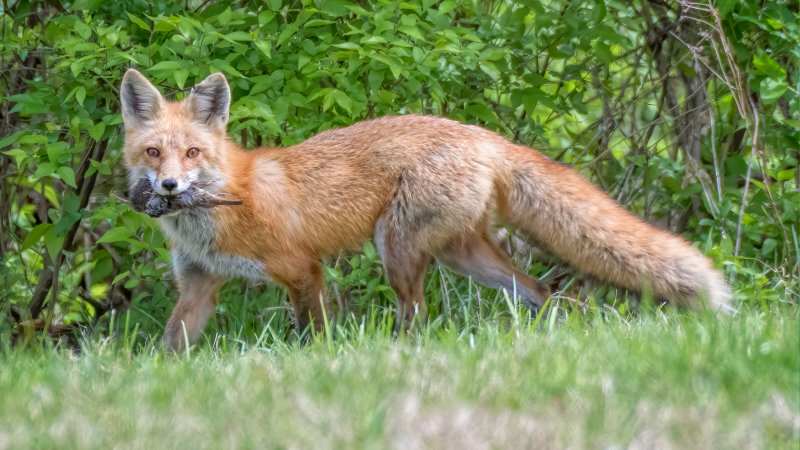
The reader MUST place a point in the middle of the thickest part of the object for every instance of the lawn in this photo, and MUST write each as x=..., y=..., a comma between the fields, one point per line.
x=662, y=379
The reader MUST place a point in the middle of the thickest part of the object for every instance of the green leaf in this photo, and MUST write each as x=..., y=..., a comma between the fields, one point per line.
x=343, y=100
x=239, y=36
x=331, y=273
x=85, y=31
x=347, y=46
x=598, y=11
x=56, y=150
x=784, y=175
x=33, y=139
x=287, y=32
x=165, y=65
x=263, y=46
x=76, y=68
x=328, y=100
x=411, y=31
x=265, y=17
x=766, y=65
x=120, y=277
x=96, y=130
x=115, y=234
x=672, y=184
x=162, y=24
x=80, y=94
x=447, y=6
x=180, y=77
x=481, y=111
x=369, y=250
x=44, y=170
x=72, y=203
x=103, y=168
x=53, y=242
x=67, y=175
x=19, y=155
x=66, y=222
x=726, y=6
x=8, y=140
x=603, y=52
x=772, y=89
x=225, y=16
x=768, y=246
x=736, y=165
x=35, y=235
x=375, y=79
x=138, y=21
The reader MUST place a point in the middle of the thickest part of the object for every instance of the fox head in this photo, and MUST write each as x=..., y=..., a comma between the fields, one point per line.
x=175, y=144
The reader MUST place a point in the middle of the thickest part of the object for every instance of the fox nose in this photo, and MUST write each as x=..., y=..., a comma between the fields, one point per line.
x=169, y=184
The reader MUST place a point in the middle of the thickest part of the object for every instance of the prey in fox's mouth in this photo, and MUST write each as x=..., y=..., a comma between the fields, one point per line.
x=145, y=199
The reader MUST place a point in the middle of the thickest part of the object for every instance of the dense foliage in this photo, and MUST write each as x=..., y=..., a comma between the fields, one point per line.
x=686, y=113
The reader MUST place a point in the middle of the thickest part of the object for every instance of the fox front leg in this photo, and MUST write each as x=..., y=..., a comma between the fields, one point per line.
x=197, y=301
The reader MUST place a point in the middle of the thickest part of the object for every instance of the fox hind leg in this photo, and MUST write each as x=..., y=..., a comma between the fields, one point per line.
x=475, y=255
x=305, y=285
x=405, y=266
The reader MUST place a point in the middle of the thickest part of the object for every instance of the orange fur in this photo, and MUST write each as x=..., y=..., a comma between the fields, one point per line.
x=424, y=187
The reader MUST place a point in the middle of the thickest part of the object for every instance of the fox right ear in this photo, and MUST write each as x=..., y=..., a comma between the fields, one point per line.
x=140, y=100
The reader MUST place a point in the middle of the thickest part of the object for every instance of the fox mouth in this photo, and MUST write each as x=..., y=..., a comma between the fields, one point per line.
x=145, y=199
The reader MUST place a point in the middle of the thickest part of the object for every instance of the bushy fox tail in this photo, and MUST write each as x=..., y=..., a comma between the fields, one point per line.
x=557, y=206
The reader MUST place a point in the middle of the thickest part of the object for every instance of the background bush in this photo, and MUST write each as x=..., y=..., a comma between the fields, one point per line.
x=686, y=113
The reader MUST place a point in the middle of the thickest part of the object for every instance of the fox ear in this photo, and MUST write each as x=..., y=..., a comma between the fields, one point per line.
x=140, y=100
x=210, y=100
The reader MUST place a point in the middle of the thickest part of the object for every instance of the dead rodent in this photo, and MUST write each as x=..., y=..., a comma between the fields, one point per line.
x=144, y=199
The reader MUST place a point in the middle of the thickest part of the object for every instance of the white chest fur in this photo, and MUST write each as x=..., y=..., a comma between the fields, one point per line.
x=193, y=235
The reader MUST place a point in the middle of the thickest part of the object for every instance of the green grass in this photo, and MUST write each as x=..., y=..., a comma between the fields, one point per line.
x=660, y=380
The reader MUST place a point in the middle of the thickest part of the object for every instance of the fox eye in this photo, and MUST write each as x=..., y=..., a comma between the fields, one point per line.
x=153, y=152
x=192, y=152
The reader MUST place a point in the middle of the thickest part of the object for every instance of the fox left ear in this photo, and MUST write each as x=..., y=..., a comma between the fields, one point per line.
x=210, y=100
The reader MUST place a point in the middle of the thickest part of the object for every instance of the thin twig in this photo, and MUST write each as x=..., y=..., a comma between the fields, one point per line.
x=746, y=187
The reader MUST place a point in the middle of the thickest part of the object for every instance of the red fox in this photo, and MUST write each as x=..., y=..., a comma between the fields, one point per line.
x=423, y=187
